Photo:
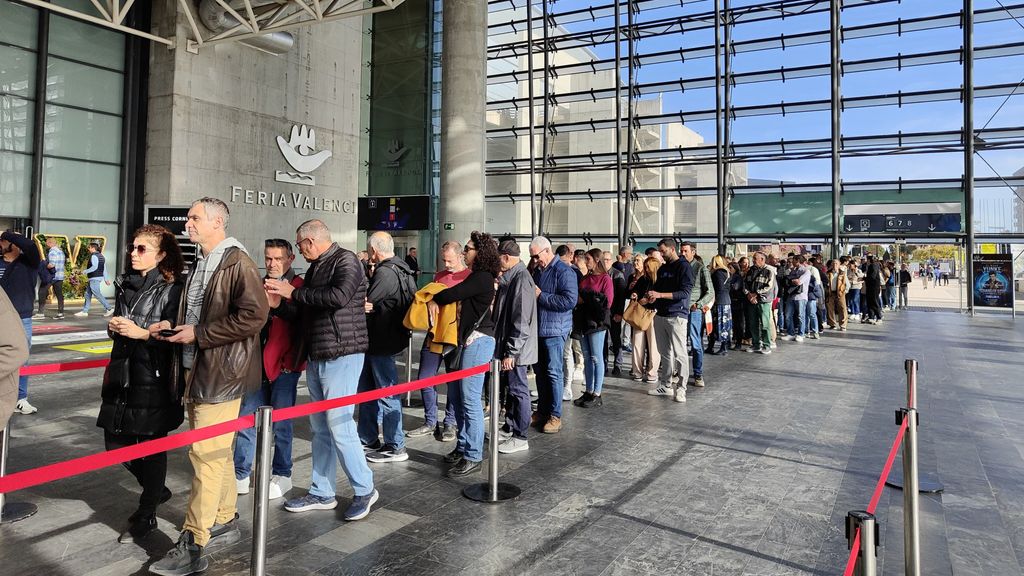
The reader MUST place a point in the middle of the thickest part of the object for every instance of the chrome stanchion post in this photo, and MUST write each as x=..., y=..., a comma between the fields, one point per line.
x=11, y=511
x=408, y=371
x=261, y=499
x=911, y=499
x=867, y=562
x=493, y=492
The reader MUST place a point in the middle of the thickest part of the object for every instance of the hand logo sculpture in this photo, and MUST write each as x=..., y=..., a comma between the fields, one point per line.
x=299, y=152
x=396, y=150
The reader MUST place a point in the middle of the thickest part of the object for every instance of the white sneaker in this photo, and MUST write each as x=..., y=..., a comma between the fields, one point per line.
x=774, y=346
x=534, y=394
x=82, y=313
x=787, y=338
x=567, y=394
x=279, y=486
x=765, y=351
x=39, y=316
x=242, y=485
x=680, y=394
x=24, y=407
x=799, y=339
x=513, y=445
x=661, y=390
x=109, y=312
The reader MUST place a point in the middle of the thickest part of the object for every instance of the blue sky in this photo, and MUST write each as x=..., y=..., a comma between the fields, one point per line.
x=910, y=118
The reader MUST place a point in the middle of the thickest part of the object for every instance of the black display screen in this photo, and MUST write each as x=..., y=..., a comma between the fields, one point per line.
x=394, y=213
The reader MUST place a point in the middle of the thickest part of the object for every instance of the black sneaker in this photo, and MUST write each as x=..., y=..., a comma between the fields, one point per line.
x=377, y=445
x=586, y=397
x=453, y=457
x=224, y=534
x=138, y=528
x=593, y=402
x=448, y=434
x=616, y=371
x=388, y=454
x=185, y=558
x=463, y=468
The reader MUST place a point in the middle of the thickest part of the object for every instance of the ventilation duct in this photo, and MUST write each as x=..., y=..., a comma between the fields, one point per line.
x=217, y=20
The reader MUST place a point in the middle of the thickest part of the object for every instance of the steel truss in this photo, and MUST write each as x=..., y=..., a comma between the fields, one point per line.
x=254, y=18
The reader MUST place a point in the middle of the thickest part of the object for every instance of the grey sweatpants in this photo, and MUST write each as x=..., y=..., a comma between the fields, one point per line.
x=670, y=334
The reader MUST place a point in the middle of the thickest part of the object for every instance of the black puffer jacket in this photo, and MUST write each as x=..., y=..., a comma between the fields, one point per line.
x=140, y=396
x=332, y=299
x=591, y=314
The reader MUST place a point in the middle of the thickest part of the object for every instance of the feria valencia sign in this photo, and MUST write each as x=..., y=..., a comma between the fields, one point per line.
x=300, y=152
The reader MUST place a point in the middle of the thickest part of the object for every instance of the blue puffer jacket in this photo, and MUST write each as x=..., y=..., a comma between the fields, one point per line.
x=558, y=296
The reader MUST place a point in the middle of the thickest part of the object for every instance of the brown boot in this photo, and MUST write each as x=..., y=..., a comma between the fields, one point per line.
x=553, y=425
x=535, y=419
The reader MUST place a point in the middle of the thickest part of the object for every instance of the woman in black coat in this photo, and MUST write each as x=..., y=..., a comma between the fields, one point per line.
x=141, y=386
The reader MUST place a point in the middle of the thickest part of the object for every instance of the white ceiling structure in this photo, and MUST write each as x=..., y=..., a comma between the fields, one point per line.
x=238, y=20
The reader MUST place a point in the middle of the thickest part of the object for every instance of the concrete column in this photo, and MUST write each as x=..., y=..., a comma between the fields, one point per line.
x=463, y=102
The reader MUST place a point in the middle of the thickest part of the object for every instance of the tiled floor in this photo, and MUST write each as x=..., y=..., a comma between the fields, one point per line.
x=752, y=476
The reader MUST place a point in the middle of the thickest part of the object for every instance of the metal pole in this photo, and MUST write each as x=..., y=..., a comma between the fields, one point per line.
x=493, y=492
x=261, y=500
x=11, y=511
x=911, y=503
x=836, y=106
x=726, y=106
x=408, y=370
x=630, y=112
x=968, y=135
x=534, y=226
x=866, y=564
x=620, y=207
x=547, y=119
x=719, y=167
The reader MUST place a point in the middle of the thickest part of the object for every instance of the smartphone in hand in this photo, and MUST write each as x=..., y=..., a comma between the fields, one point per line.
x=167, y=332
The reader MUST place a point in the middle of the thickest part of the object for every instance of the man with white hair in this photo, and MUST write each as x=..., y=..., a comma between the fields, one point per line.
x=222, y=312
x=556, y=297
x=333, y=299
x=391, y=292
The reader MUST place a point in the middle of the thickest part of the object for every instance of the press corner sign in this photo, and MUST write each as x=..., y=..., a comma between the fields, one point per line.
x=992, y=280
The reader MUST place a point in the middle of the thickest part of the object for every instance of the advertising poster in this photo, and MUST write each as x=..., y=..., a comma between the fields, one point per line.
x=993, y=280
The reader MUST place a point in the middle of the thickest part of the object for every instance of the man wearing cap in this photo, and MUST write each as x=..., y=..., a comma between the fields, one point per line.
x=515, y=337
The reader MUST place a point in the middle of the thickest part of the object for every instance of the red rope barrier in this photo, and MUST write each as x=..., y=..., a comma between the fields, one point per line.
x=40, y=369
x=877, y=495
x=61, y=470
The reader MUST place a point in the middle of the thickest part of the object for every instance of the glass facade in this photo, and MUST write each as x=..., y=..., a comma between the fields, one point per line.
x=730, y=121
x=62, y=124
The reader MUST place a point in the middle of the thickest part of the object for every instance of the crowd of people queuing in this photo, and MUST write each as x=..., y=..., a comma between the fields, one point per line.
x=220, y=342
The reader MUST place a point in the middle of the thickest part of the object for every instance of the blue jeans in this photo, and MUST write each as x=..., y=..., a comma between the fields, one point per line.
x=279, y=394
x=430, y=365
x=469, y=410
x=890, y=296
x=387, y=410
x=795, y=320
x=23, y=380
x=696, y=324
x=593, y=360
x=94, y=289
x=812, y=317
x=550, y=375
x=334, y=431
x=853, y=300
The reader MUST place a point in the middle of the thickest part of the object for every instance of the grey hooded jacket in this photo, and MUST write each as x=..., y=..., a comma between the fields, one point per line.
x=515, y=317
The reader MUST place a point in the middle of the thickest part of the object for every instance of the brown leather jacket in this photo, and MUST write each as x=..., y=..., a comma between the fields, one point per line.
x=228, y=361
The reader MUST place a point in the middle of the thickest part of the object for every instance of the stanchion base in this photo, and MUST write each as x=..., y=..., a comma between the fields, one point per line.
x=15, y=511
x=482, y=492
x=925, y=484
